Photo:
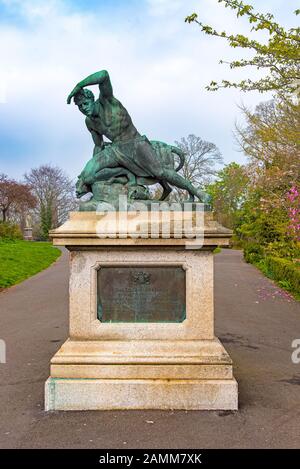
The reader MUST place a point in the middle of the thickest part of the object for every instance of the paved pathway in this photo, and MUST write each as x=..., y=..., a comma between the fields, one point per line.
x=254, y=319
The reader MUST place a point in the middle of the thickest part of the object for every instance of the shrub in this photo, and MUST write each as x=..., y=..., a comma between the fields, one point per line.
x=283, y=249
x=284, y=270
x=9, y=231
x=253, y=252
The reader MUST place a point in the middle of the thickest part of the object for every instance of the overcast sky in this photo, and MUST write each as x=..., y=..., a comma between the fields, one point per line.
x=158, y=64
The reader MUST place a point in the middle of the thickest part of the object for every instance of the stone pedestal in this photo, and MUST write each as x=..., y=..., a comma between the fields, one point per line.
x=141, y=317
x=27, y=234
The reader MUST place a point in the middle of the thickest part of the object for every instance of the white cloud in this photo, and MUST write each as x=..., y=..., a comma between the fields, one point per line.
x=158, y=64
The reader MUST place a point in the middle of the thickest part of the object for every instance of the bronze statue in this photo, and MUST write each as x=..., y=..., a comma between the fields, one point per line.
x=130, y=158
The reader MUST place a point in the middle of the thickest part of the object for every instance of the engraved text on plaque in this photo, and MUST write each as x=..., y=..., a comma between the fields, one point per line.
x=141, y=294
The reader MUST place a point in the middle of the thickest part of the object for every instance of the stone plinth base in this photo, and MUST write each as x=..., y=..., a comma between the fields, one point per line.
x=113, y=394
x=141, y=315
x=27, y=234
x=187, y=374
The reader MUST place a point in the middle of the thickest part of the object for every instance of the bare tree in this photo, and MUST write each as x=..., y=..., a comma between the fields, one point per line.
x=16, y=199
x=201, y=158
x=55, y=193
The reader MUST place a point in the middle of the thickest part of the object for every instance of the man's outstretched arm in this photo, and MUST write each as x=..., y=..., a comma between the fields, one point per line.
x=99, y=78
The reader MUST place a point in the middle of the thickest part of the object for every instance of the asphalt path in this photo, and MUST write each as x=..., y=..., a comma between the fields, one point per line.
x=255, y=320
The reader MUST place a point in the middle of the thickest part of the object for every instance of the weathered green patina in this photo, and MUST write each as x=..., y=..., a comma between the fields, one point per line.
x=130, y=159
x=141, y=294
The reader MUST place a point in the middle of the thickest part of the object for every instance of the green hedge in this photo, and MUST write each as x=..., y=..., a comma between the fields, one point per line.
x=9, y=231
x=284, y=270
x=253, y=252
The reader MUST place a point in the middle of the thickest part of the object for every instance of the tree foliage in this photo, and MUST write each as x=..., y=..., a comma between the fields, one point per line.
x=271, y=141
x=229, y=193
x=15, y=198
x=279, y=56
x=293, y=197
x=46, y=214
x=260, y=200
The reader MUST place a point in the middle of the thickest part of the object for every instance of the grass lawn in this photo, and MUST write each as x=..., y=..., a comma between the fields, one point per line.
x=22, y=259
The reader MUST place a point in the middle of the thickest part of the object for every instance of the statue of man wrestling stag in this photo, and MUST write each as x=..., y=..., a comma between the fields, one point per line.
x=129, y=158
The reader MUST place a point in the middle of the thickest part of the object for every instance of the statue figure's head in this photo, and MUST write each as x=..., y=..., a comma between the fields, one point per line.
x=81, y=187
x=85, y=99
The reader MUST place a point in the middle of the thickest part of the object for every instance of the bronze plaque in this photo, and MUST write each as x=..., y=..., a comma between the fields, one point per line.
x=141, y=294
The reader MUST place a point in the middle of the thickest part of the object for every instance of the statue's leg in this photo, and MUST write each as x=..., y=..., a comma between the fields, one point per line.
x=177, y=180
x=152, y=161
x=167, y=189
